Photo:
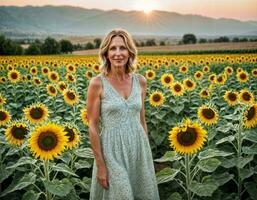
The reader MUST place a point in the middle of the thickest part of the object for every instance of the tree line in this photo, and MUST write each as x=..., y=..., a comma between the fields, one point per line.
x=52, y=46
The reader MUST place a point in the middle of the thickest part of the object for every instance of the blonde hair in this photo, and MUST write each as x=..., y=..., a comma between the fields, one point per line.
x=105, y=65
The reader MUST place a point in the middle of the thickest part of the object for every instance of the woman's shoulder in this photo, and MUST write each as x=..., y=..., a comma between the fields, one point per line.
x=142, y=80
x=96, y=82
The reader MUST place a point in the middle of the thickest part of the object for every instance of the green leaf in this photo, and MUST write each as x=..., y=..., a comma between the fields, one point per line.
x=226, y=128
x=84, y=153
x=30, y=195
x=250, y=150
x=166, y=175
x=230, y=139
x=81, y=164
x=251, y=189
x=4, y=173
x=175, y=196
x=209, y=153
x=206, y=188
x=25, y=181
x=57, y=187
x=83, y=184
x=177, y=109
x=246, y=173
x=61, y=167
x=23, y=161
x=228, y=163
x=251, y=136
x=223, y=178
x=209, y=165
x=241, y=162
x=169, y=156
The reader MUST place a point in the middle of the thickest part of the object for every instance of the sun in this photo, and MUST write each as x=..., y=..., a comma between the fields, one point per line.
x=147, y=6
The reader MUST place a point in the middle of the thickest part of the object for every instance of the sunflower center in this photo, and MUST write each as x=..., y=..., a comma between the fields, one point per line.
x=14, y=75
x=19, y=132
x=246, y=96
x=53, y=76
x=208, y=113
x=36, y=113
x=71, y=95
x=243, y=76
x=232, y=96
x=156, y=97
x=62, y=87
x=183, y=69
x=89, y=74
x=251, y=113
x=177, y=88
x=3, y=116
x=188, y=137
x=255, y=72
x=52, y=89
x=167, y=79
x=45, y=71
x=219, y=79
x=204, y=93
x=70, y=133
x=189, y=84
x=198, y=75
x=150, y=74
x=47, y=140
x=212, y=78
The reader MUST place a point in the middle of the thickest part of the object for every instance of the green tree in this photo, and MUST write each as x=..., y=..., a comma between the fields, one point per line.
x=189, y=39
x=97, y=42
x=51, y=46
x=162, y=43
x=66, y=46
x=89, y=45
x=33, y=49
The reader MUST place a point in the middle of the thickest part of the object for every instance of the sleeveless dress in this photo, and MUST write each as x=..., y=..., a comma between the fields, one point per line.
x=125, y=147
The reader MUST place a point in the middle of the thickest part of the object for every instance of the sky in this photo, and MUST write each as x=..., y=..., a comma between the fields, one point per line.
x=236, y=9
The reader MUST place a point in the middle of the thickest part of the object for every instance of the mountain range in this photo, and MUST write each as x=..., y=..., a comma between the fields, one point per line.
x=78, y=21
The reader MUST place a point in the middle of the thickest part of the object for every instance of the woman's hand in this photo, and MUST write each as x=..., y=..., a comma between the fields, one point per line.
x=102, y=176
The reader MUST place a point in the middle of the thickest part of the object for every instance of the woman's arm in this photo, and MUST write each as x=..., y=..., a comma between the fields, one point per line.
x=93, y=112
x=143, y=85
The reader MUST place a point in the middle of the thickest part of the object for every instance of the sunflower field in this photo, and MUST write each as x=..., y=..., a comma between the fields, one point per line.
x=201, y=113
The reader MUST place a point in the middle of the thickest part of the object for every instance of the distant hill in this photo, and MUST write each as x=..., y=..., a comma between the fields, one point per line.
x=68, y=20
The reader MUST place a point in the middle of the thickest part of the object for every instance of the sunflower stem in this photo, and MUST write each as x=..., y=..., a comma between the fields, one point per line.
x=46, y=170
x=239, y=154
x=188, y=179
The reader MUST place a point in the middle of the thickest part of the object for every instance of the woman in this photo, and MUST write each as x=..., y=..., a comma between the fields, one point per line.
x=123, y=167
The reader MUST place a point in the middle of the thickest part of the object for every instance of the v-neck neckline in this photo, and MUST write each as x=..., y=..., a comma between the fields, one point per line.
x=122, y=97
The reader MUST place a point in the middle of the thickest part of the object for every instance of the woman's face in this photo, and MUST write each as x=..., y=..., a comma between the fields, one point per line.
x=118, y=53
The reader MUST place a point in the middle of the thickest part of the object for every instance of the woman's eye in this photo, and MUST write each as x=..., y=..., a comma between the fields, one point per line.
x=122, y=48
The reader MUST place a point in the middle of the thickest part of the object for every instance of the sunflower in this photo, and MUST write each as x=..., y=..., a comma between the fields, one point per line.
x=70, y=77
x=36, y=113
x=206, y=69
x=150, y=74
x=189, y=84
x=28, y=77
x=2, y=79
x=73, y=136
x=70, y=97
x=156, y=99
x=239, y=69
x=187, y=138
x=2, y=100
x=254, y=72
x=53, y=76
x=221, y=79
x=84, y=117
x=204, y=94
x=45, y=70
x=70, y=69
x=37, y=81
x=96, y=68
x=208, y=115
x=177, y=89
x=231, y=97
x=61, y=86
x=14, y=76
x=5, y=117
x=242, y=77
x=33, y=70
x=51, y=90
x=16, y=133
x=48, y=141
x=183, y=69
x=246, y=97
x=250, y=116
x=198, y=75
x=89, y=74
x=167, y=79
x=229, y=71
